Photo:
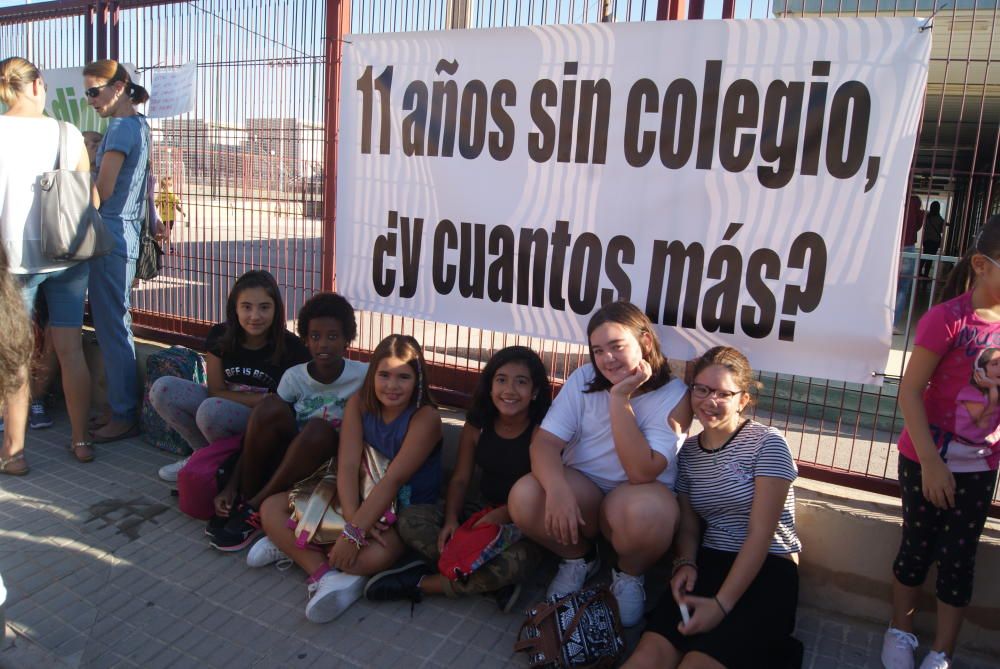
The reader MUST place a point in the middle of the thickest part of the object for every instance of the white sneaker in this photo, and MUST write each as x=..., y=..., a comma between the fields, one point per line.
x=571, y=576
x=264, y=552
x=631, y=596
x=332, y=594
x=169, y=472
x=897, y=649
x=936, y=660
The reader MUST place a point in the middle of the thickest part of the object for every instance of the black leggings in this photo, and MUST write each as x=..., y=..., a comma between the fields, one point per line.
x=948, y=537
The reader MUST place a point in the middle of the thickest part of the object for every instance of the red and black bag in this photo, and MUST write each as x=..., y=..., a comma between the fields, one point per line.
x=471, y=547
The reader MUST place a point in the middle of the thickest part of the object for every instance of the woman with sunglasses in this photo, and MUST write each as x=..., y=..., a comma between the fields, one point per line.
x=30, y=147
x=122, y=164
x=734, y=585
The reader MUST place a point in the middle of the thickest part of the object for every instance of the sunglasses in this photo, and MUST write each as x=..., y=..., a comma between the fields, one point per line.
x=96, y=90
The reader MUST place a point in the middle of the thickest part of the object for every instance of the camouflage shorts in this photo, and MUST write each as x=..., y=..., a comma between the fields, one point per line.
x=419, y=526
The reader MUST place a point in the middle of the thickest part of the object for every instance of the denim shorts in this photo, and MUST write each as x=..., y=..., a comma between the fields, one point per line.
x=64, y=290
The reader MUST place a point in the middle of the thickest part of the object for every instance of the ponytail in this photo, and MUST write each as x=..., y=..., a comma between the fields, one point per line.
x=960, y=278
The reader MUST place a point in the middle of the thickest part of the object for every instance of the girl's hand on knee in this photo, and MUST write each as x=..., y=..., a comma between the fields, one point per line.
x=444, y=536
x=375, y=534
x=706, y=614
x=343, y=554
x=563, y=518
x=683, y=582
x=938, y=483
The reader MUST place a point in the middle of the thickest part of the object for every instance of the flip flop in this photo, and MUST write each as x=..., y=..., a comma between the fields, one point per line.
x=127, y=434
x=6, y=468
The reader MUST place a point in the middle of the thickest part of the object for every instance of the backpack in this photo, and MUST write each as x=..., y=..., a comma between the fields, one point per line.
x=471, y=547
x=200, y=480
x=578, y=631
x=175, y=361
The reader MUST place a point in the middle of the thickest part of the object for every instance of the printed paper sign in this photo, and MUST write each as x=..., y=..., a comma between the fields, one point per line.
x=741, y=181
x=172, y=91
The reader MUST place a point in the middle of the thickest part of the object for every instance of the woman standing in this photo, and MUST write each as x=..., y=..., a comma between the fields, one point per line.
x=30, y=144
x=122, y=162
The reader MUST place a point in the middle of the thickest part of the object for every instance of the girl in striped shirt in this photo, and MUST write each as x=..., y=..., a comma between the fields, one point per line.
x=739, y=578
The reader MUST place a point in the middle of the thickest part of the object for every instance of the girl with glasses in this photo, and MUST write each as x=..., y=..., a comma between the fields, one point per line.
x=738, y=579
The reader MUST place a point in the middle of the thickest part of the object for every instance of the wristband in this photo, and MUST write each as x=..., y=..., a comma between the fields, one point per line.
x=355, y=535
x=682, y=562
x=724, y=612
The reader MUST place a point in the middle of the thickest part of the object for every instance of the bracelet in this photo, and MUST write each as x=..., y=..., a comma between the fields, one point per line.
x=355, y=535
x=724, y=612
x=682, y=562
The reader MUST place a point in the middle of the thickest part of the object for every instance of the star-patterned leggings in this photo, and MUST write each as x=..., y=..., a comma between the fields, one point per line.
x=948, y=537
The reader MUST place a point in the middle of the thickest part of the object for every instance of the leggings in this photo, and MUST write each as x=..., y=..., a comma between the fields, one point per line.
x=200, y=419
x=946, y=536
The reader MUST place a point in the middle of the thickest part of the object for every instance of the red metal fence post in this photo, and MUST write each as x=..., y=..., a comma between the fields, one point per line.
x=670, y=10
x=337, y=25
x=102, y=29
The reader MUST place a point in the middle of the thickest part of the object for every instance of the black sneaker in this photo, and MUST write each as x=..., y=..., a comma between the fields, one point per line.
x=38, y=416
x=215, y=523
x=400, y=582
x=506, y=597
x=242, y=528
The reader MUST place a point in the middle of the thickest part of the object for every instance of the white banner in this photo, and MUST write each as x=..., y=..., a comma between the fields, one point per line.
x=741, y=181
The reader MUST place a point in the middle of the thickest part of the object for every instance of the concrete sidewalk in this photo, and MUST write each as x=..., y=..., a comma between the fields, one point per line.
x=104, y=571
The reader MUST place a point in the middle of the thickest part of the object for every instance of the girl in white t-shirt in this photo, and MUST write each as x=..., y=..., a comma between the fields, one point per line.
x=603, y=460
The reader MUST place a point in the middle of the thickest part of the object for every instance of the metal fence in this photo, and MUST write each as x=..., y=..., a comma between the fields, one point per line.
x=256, y=163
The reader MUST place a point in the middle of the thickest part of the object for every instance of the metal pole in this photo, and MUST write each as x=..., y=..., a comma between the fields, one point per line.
x=337, y=25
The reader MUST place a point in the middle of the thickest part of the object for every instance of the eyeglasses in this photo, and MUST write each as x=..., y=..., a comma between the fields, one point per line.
x=702, y=392
x=990, y=258
x=96, y=90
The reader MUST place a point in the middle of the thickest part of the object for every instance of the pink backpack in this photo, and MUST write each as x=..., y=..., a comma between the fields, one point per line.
x=197, y=482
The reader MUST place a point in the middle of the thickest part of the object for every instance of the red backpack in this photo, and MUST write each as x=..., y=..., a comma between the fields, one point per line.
x=471, y=547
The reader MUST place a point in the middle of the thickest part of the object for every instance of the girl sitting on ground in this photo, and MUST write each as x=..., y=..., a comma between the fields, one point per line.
x=246, y=356
x=511, y=398
x=738, y=577
x=292, y=433
x=395, y=414
x=604, y=460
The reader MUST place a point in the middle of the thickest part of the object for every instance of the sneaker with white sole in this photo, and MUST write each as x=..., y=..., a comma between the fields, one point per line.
x=38, y=416
x=169, y=472
x=897, y=649
x=631, y=596
x=571, y=576
x=936, y=660
x=264, y=552
x=332, y=594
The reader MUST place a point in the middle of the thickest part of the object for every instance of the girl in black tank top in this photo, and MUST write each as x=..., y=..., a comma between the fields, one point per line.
x=511, y=398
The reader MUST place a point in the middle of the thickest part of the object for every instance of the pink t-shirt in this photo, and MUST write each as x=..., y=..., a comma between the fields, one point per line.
x=962, y=339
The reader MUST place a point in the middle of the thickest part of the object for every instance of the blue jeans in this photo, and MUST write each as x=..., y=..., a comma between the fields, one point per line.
x=907, y=268
x=111, y=279
x=64, y=290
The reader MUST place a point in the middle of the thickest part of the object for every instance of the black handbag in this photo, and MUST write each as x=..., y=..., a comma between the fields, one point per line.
x=150, y=262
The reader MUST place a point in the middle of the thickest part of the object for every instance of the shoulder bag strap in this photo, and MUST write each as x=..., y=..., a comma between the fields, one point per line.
x=61, y=161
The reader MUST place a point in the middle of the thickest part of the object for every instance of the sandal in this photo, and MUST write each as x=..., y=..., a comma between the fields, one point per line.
x=9, y=465
x=128, y=433
x=83, y=451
